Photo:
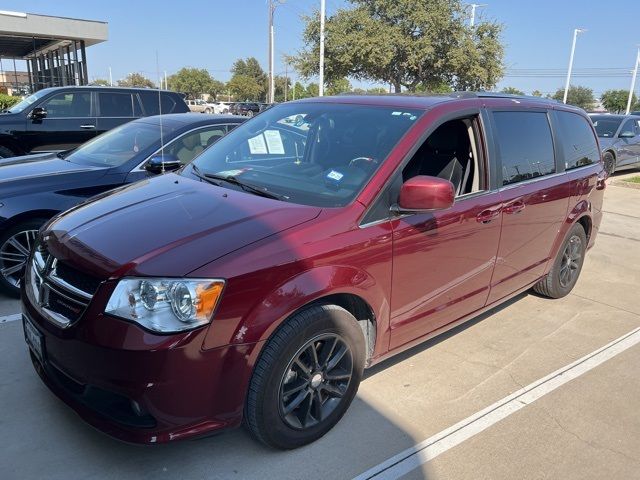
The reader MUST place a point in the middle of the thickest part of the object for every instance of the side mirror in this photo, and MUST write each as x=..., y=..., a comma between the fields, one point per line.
x=627, y=134
x=38, y=113
x=162, y=163
x=424, y=193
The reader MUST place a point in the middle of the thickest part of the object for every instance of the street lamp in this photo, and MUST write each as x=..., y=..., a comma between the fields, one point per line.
x=633, y=82
x=473, y=12
x=321, y=68
x=573, y=50
x=272, y=8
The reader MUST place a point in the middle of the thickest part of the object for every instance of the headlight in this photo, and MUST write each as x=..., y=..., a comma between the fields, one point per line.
x=165, y=304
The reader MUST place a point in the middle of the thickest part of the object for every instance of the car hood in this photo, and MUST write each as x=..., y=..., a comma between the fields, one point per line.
x=39, y=172
x=166, y=226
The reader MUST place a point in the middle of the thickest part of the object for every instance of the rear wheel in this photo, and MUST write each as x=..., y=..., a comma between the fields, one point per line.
x=306, y=377
x=566, y=267
x=6, y=152
x=609, y=163
x=15, y=245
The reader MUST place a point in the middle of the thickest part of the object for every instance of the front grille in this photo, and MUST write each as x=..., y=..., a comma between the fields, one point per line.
x=60, y=291
x=65, y=305
x=76, y=278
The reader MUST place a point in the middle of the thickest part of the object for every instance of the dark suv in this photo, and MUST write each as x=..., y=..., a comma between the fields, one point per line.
x=260, y=281
x=61, y=118
x=247, y=109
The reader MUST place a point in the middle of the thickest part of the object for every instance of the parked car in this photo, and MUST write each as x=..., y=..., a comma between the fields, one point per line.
x=60, y=118
x=221, y=107
x=260, y=281
x=247, y=109
x=619, y=137
x=198, y=106
x=36, y=187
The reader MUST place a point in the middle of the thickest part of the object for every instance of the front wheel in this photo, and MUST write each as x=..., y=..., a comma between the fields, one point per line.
x=306, y=377
x=250, y=113
x=15, y=245
x=566, y=267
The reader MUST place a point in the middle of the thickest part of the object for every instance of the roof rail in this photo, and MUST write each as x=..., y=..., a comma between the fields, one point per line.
x=499, y=95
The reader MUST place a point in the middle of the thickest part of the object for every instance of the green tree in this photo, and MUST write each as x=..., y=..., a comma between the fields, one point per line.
x=281, y=82
x=615, y=101
x=377, y=90
x=579, y=96
x=536, y=93
x=244, y=88
x=249, y=79
x=406, y=43
x=216, y=87
x=512, y=91
x=337, y=86
x=298, y=91
x=312, y=90
x=191, y=81
x=101, y=82
x=136, y=80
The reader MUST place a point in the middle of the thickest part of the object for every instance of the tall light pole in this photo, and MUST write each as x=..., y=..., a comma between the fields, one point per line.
x=633, y=82
x=272, y=8
x=473, y=12
x=321, y=73
x=573, y=51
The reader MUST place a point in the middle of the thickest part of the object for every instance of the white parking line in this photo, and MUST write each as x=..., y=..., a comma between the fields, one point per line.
x=421, y=453
x=10, y=318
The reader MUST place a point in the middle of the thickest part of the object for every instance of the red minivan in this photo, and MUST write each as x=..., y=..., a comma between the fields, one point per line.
x=313, y=241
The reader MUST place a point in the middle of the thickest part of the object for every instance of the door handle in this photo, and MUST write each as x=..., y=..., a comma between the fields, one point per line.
x=486, y=216
x=87, y=127
x=515, y=207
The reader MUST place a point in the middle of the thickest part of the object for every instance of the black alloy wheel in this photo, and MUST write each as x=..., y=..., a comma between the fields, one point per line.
x=315, y=381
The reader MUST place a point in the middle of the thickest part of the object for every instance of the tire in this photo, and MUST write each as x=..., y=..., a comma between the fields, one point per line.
x=277, y=371
x=207, y=110
x=250, y=113
x=6, y=153
x=15, y=245
x=566, y=267
x=609, y=163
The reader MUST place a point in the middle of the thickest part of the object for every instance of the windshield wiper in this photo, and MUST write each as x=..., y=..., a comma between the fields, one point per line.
x=262, y=191
x=215, y=179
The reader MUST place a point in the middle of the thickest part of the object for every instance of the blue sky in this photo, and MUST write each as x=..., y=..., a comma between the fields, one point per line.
x=211, y=34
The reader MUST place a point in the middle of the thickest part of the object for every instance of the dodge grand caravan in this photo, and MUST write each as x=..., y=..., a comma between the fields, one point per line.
x=314, y=240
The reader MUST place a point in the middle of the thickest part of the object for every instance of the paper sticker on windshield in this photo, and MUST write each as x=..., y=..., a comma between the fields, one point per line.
x=231, y=173
x=257, y=145
x=274, y=142
x=333, y=175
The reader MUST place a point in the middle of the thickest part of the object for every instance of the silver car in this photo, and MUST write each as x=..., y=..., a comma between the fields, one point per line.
x=619, y=137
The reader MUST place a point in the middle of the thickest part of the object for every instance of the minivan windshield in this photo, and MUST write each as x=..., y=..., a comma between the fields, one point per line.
x=27, y=102
x=319, y=154
x=606, y=127
x=118, y=146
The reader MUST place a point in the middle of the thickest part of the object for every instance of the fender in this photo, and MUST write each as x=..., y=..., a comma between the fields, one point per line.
x=580, y=210
x=303, y=289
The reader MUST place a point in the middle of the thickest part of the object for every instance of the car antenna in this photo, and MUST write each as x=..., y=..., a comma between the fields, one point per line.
x=160, y=110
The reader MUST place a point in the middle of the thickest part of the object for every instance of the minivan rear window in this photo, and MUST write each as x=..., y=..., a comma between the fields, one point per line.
x=526, y=145
x=578, y=142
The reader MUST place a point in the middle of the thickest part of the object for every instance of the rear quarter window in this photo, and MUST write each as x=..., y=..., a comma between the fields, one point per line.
x=526, y=145
x=579, y=146
x=153, y=103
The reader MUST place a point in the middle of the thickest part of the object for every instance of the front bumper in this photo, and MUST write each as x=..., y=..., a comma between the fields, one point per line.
x=140, y=387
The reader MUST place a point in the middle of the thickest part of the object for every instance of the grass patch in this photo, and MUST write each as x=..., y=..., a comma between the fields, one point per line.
x=635, y=179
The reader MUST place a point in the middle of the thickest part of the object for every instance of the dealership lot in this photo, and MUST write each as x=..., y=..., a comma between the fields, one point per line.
x=586, y=428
